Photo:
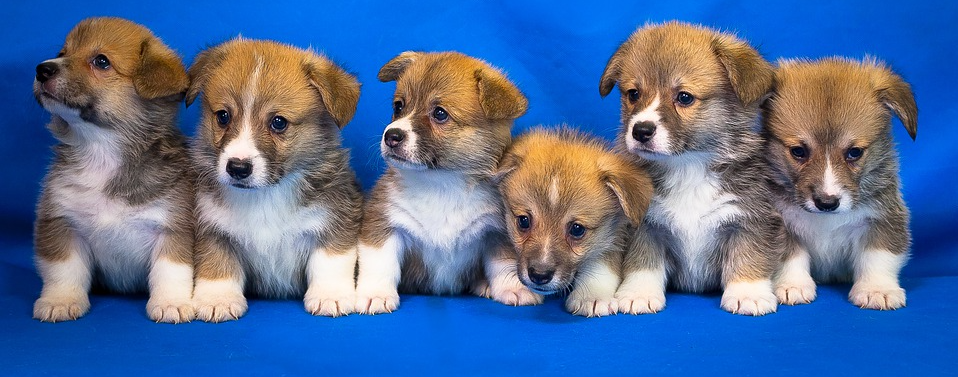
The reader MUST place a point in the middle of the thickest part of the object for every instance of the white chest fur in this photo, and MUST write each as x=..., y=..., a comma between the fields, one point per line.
x=831, y=239
x=273, y=231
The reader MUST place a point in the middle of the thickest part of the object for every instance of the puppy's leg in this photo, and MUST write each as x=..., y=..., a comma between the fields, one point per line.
x=593, y=294
x=332, y=286
x=753, y=253
x=793, y=282
x=171, y=278
x=644, y=277
x=503, y=283
x=218, y=295
x=379, y=273
x=876, y=280
x=63, y=260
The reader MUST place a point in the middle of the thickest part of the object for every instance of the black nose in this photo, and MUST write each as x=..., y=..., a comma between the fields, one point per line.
x=643, y=131
x=394, y=137
x=46, y=70
x=540, y=277
x=238, y=168
x=826, y=203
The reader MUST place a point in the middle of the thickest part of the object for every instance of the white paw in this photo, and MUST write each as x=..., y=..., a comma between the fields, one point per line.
x=640, y=301
x=749, y=298
x=329, y=304
x=879, y=297
x=481, y=289
x=591, y=306
x=219, y=308
x=514, y=294
x=376, y=301
x=60, y=308
x=795, y=292
x=168, y=310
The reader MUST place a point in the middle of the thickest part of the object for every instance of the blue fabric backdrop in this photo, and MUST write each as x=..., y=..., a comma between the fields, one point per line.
x=555, y=52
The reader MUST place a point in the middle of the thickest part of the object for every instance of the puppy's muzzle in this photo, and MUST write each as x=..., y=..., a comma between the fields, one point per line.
x=394, y=137
x=46, y=71
x=826, y=203
x=239, y=168
x=643, y=131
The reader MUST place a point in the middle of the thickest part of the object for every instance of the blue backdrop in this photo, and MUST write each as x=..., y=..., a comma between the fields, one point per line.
x=555, y=52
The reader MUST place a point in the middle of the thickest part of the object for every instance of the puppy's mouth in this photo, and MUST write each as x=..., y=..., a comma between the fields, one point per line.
x=403, y=163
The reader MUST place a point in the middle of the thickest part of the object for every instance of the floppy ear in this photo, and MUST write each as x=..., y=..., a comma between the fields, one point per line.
x=160, y=72
x=338, y=89
x=612, y=72
x=896, y=94
x=752, y=77
x=395, y=67
x=499, y=98
x=202, y=68
x=631, y=186
x=509, y=162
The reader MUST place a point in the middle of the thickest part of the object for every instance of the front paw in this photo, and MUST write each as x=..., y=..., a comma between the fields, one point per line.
x=168, y=310
x=329, y=304
x=220, y=308
x=514, y=294
x=376, y=301
x=795, y=292
x=640, y=301
x=878, y=297
x=580, y=304
x=749, y=298
x=60, y=308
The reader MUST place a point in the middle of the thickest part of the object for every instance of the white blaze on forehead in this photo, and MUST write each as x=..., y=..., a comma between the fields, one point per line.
x=830, y=185
x=243, y=147
x=554, y=191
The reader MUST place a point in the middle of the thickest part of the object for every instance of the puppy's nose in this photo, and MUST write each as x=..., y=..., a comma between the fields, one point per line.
x=47, y=70
x=238, y=168
x=826, y=203
x=643, y=131
x=393, y=137
x=540, y=277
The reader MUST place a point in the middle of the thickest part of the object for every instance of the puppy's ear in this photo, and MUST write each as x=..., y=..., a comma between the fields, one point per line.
x=395, y=67
x=630, y=184
x=752, y=77
x=338, y=89
x=160, y=72
x=613, y=70
x=203, y=65
x=499, y=98
x=509, y=162
x=896, y=94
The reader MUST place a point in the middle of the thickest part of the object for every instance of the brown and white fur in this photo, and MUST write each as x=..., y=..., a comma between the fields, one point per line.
x=690, y=106
x=433, y=223
x=836, y=170
x=116, y=205
x=278, y=206
x=569, y=201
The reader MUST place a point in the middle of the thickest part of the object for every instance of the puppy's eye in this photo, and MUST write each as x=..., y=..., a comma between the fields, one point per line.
x=853, y=154
x=397, y=108
x=223, y=118
x=576, y=231
x=101, y=62
x=440, y=115
x=523, y=222
x=633, y=95
x=278, y=124
x=685, y=98
x=799, y=153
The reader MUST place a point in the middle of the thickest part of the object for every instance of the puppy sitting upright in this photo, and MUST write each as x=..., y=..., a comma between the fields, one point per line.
x=278, y=207
x=830, y=144
x=116, y=206
x=568, y=202
x=690, y=105
x=435, y=217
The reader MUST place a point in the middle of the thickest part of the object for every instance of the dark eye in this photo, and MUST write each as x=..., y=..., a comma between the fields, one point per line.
x=685, y=98
x=440, y=114
x=223, y=118
x=278, y=124
x=799, y=153
x=397, y=108
x=576, y=231
x=101, y=62
x=633, y=95
x=523, y=222
x=853, y=154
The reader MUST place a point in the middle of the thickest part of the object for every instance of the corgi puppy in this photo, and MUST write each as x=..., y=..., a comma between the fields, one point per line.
x=568, y=201
x=836, y=175
x=278, y=206
x=690, y=105
x=433, y=223
x=116, y=206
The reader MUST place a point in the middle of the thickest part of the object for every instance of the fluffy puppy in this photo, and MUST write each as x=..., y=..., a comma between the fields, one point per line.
x=568, y=202
x=116, y=205
x=278, y=207
x=690, y=105
x=836, y=171
x=433, y=223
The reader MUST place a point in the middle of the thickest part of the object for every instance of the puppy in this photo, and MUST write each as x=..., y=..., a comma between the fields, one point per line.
x=433, y=223
x=568, y=202
x=116, y=205
x=690, y=104
x=278, y=207
x=836, y=174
